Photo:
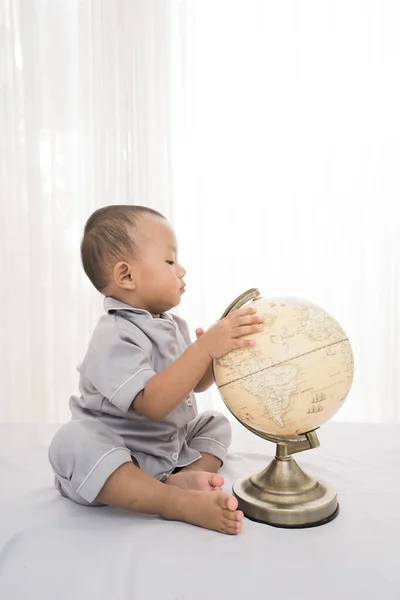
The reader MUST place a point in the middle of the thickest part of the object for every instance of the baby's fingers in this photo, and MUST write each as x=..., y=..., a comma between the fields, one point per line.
x=249, y=320
x=242, y=343
x=242, y=312
x=247, y=329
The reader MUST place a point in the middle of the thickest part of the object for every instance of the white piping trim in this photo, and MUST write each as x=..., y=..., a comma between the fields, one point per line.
x=127, y=381
x=100, y=459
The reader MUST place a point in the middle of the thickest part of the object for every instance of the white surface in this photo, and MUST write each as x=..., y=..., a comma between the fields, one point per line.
x=51, y=548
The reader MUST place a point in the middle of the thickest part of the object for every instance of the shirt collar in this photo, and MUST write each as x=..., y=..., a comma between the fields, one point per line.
x=112, y=304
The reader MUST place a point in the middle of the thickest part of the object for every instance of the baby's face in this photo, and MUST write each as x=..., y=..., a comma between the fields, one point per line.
x=157, y=273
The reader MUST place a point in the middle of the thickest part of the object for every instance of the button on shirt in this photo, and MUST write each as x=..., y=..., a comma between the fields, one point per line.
x=127, y=348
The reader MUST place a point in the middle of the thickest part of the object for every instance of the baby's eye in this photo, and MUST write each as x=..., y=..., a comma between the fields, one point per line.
x=171, y=262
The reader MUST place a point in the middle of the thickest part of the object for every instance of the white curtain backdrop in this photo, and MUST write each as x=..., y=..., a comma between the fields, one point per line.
x=268, y=132
x=85, y=121
x=295, y=172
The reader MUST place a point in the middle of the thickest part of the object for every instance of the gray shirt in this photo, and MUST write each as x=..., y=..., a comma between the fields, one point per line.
x=127, y=348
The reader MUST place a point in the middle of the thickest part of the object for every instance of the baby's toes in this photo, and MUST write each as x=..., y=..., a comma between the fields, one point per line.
x=228, y=502
x=234, y=516
x=216, y=481
x=231, y=527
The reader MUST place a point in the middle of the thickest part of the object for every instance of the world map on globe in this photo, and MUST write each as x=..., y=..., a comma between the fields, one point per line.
x=295, y=377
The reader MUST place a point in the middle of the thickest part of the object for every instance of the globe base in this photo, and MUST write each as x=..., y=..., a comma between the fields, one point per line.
x=283, y=495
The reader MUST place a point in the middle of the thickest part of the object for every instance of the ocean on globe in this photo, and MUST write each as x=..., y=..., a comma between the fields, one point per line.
x=295, y=377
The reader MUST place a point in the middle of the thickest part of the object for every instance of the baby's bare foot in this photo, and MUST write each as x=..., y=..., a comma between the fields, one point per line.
x=212, y=511
x=196, y=480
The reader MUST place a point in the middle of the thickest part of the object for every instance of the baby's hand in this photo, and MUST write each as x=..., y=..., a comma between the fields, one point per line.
x=227, y=334
x=199, y=332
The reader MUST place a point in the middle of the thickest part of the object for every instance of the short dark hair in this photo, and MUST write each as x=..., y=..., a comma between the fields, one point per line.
x=108, y=235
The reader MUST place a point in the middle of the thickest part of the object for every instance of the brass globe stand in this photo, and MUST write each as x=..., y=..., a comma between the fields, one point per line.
x=283, y=495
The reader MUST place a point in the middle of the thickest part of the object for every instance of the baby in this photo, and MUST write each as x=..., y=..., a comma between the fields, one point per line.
x=135, y=439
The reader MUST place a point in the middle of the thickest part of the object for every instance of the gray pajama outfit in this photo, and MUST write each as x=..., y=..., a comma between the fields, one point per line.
x=127, y=348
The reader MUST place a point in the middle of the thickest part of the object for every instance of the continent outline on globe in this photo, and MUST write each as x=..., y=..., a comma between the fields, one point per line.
x=296, y=376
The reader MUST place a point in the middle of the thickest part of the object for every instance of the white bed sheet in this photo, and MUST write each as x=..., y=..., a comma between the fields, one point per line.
x=52, y=549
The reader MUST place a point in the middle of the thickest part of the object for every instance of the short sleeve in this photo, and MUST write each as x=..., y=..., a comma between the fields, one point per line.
x=117, y=366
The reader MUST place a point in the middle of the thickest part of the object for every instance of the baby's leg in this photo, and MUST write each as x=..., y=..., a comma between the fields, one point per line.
x=210, y=434
x=193, y=479
x=207, y=462
x=129, y=487
x=83, y=454
x=93, y=466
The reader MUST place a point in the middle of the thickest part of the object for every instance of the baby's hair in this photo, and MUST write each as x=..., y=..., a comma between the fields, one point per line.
x=108, y=235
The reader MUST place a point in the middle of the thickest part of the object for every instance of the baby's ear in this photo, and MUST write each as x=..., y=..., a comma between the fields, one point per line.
x=123, y=276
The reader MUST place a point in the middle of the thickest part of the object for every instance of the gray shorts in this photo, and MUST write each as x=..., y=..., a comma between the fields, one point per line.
x=85, y=452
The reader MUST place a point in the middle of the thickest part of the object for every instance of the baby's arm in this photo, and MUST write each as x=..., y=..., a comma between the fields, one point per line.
x=206, y=381
x=165, y=390
x=208, y=378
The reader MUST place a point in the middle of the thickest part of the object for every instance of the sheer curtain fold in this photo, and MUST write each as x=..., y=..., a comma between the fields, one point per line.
x=267, y=132
x=295, y=149
x=85, y=122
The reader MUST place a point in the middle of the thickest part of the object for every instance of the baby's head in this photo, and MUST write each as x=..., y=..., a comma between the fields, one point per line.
x=130, y=253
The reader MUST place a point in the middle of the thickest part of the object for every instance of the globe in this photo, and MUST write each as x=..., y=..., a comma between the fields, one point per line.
x=295, y=377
